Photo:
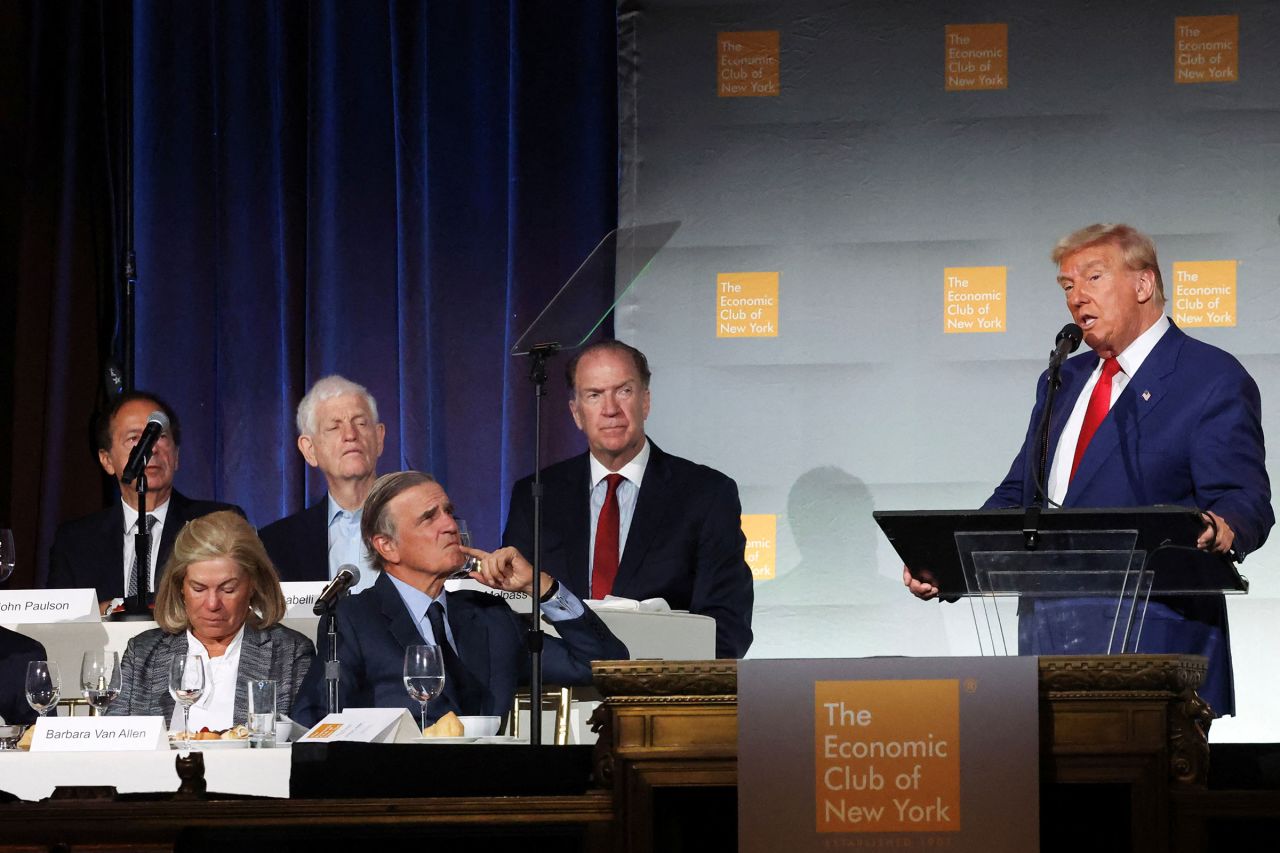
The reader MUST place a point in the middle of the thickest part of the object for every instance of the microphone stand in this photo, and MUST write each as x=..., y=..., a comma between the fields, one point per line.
x=130, y=323
x=332, y=667
x=538, y=375
x=1031, y=520
x=135, y=606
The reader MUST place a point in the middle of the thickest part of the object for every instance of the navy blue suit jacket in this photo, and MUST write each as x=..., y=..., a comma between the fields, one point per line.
x=89, y=551
x=685, y=543
x=1186, y=430
x=16, y=651
x=298, y=544
x=374, y=629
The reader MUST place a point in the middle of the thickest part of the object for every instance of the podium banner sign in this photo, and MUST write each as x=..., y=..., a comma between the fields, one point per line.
x=911, y=753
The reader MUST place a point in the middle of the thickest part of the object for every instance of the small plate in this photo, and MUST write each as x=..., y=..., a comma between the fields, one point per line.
x=203, y=745
x=463, y=739
x=498, y=739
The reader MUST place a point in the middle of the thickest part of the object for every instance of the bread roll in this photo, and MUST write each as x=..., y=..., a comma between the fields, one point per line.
x=447, y=726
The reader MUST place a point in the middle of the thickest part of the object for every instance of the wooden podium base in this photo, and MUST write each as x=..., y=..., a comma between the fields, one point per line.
x=1120, y=735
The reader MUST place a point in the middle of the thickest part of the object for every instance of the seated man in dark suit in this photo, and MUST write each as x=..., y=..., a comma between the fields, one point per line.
x=627, y=519
x=98, y=550
x=16, y=651
x=409, y=529
x=339, y=433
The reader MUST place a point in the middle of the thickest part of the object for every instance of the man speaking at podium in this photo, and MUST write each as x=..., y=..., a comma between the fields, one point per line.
x=1152, y=416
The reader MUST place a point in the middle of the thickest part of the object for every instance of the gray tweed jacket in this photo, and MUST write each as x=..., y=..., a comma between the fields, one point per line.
x=278, y=653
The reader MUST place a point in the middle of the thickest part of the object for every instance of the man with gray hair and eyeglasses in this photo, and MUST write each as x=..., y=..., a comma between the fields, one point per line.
x=339, y=433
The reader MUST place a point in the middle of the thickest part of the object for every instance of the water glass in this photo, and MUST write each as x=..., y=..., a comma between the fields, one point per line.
x=43, y=686
x=464, y=538
x=100, y=678
x=186, y=683
x=423, y=677
x=262, y=712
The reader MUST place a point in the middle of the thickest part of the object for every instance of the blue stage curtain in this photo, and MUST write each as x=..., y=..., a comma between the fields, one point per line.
x=386, y=190
x=61, y=88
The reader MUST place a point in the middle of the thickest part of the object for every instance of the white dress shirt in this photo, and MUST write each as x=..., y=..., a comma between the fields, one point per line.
x=346, y=546
x=628, y=492
x=216, y=706
x=160, y=513
x=1130, y=360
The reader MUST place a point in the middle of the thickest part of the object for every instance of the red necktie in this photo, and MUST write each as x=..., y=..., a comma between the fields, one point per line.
x=604, y=562
x=1099, y=405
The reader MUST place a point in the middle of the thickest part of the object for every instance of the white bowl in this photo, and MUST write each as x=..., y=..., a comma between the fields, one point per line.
x=480, y=726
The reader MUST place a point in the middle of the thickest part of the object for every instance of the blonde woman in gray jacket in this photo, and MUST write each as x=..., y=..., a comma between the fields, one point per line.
x=219, y=598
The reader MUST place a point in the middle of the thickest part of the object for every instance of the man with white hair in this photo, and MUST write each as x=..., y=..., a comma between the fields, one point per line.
x=339, y=433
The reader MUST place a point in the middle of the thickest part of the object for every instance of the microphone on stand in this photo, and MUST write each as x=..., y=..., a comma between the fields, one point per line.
x=347, y=577
x=1067, y=342
x=157, y=425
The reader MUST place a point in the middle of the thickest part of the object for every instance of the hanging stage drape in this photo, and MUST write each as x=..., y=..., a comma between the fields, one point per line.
x=389, y=191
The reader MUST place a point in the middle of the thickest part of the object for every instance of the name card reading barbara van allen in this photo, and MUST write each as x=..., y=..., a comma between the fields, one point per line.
x=41, y=606
x=99, y=734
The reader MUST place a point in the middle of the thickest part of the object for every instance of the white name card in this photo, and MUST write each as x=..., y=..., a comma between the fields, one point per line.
x=518, y=601
x=99, y=734
x=365, y=725
x=41, y=606
x=300, y=597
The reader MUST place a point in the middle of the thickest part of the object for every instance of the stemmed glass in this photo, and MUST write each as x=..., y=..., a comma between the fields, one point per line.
x=423, y=676
x=8, y=559
x=186, y=682
x=100, y=678
x=44, y=685
x=472, y=564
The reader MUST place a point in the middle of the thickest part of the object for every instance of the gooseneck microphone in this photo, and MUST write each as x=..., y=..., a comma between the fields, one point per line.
x=347, y=577
x=157, y=425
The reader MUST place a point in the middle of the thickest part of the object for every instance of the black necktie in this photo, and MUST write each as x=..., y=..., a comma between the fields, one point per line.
x=453, y=673
x=132, y=587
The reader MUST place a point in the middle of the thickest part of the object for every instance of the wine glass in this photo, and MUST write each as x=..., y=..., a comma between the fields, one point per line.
x=423, y=677
x=472, y=564
x=8, y=559
x=44, y=685
x=186, y=682
x=100, y=678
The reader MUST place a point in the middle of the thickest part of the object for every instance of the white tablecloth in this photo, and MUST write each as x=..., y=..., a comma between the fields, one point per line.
x=34, y=775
